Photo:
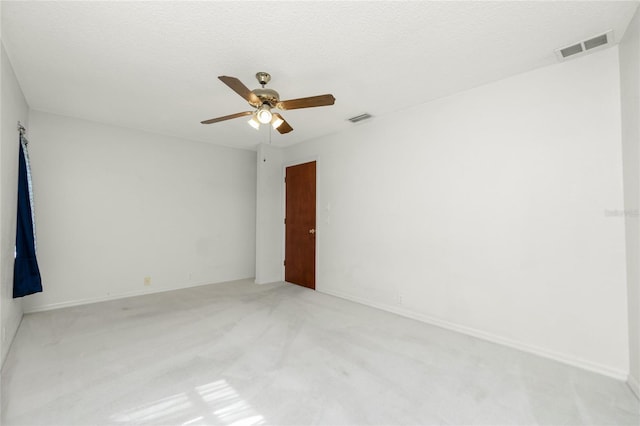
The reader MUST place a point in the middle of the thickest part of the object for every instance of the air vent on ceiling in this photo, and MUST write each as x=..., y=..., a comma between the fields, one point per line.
x=360, y=117
x=571, y=50
x=582, y=47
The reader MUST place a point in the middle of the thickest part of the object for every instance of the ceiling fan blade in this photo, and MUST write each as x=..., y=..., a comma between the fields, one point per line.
x=313, y=101
x=242, y=90
x=284, y=127
x=227, y=117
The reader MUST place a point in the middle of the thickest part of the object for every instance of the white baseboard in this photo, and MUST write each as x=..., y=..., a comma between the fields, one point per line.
x=634, y=385
x=269, y=281
x=87, y=301
x=556, y=356
x=9, y=343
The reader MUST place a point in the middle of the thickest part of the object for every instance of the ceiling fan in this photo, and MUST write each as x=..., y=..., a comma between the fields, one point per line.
x=264, y=100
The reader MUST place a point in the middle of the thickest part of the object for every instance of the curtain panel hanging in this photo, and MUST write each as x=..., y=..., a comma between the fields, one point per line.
x=26, y=274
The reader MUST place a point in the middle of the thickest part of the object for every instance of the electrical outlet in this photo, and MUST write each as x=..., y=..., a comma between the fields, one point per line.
x=147, y=280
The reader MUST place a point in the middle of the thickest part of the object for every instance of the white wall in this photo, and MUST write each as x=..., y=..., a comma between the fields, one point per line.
x=116, y=205
x=488, y=212
x=14, y=109
x=269, y=223
x=630, y=97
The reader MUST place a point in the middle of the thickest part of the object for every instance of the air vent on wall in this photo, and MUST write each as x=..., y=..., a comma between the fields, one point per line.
x=584, y=46
x=360, y=117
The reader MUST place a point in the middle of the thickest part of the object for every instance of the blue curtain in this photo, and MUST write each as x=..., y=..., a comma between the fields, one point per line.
x=26, y=274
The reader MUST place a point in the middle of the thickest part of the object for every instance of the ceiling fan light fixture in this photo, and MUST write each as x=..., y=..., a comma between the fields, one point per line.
x=254, y=122
x=264, y=114
x=277, y=121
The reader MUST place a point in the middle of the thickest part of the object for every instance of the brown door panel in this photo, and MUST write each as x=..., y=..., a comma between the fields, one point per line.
x=300, y=226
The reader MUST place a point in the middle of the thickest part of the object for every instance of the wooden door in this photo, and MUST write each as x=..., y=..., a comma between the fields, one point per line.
x=300, y=225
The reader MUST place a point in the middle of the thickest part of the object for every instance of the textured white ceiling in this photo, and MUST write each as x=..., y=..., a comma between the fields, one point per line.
x=153, y=65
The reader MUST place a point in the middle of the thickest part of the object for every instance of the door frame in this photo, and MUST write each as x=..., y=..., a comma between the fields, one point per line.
x=296, y=162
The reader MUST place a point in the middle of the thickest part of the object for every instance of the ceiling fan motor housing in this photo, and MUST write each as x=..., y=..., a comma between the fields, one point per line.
x=266, y=96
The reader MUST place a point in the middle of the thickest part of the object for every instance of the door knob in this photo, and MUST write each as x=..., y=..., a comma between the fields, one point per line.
x=312, y=231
